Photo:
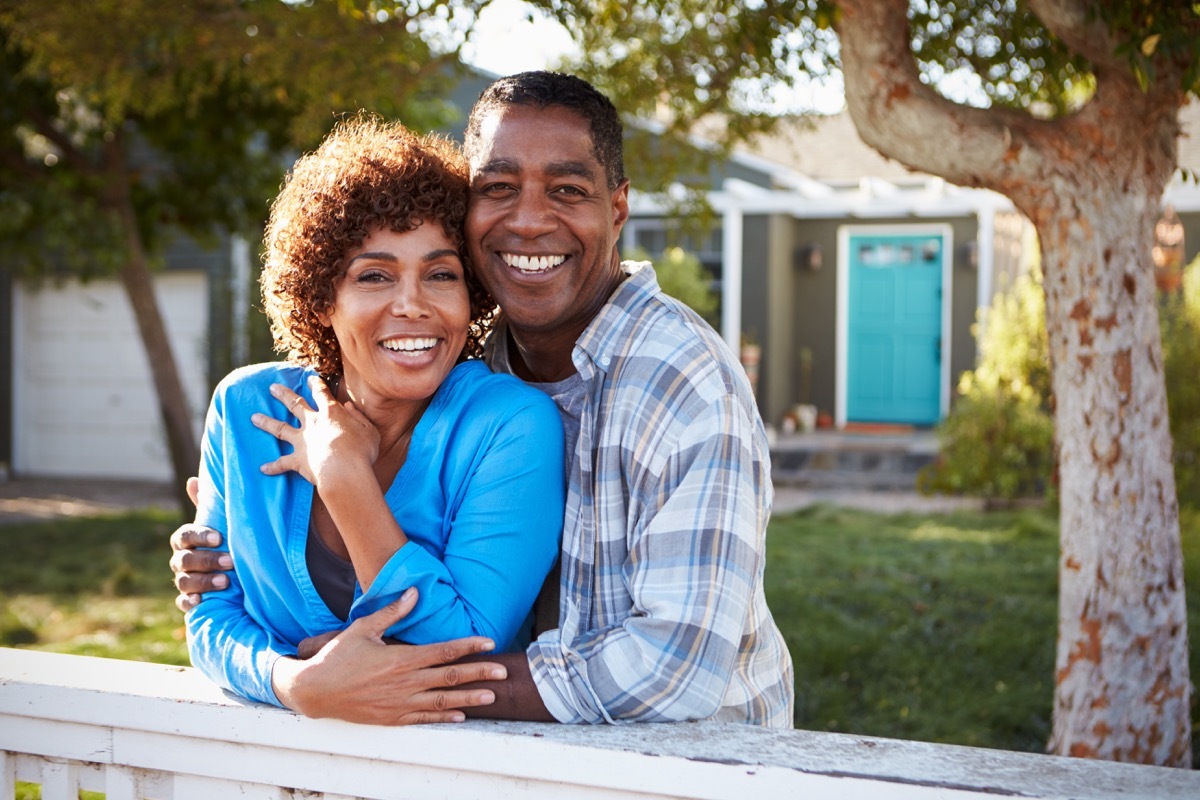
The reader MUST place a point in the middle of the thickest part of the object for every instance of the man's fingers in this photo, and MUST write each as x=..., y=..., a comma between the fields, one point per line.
x=200, y=561
x=200, y=582
x=185, y=602
x=191, y=536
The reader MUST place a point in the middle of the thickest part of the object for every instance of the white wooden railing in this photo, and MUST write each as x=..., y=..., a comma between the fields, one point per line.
x=135, y=730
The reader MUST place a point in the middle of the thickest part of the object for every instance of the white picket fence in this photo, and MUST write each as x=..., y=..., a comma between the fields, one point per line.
x=134, y=730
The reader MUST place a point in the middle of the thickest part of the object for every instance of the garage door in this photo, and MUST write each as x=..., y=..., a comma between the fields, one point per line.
x=84, y=402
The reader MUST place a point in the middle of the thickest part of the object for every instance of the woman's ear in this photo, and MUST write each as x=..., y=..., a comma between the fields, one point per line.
x=323, y=317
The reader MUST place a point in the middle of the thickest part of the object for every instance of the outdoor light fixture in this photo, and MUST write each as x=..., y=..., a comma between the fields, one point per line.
x=968, y=254
x=808, y=257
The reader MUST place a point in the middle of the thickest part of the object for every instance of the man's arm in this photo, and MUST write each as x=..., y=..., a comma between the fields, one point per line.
x=516, y=697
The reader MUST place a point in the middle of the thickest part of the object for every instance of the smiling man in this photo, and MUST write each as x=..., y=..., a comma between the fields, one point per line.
x=662, y=615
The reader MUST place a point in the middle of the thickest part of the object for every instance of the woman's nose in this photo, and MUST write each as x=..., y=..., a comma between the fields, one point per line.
x=409, y=299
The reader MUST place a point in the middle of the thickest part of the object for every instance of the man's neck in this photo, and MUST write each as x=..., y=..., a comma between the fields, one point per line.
x=538, y=359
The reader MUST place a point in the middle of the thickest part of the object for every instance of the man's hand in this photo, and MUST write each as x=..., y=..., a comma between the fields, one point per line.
x=359, y=678
x=196, y=571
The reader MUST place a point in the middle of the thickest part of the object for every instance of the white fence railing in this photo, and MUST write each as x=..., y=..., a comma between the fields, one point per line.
x=135, y=730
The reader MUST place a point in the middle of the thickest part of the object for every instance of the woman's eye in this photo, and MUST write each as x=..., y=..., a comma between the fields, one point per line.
x=371, y=276
x=445, y=275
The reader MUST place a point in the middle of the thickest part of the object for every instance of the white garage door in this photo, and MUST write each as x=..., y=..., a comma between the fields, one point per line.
x=84, y=402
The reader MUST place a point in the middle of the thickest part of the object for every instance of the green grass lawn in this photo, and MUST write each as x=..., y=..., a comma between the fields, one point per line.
x=935, y=627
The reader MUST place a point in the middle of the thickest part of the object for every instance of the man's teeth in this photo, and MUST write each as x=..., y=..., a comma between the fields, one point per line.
x=532, y=263
x=410, y=345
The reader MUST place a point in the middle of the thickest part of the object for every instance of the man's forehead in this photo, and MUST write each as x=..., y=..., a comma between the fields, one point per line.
x=505, y=141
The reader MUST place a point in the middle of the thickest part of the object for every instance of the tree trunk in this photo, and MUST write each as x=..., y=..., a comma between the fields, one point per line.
x=139, y=288
x=1121, y=682
x=1091, y=183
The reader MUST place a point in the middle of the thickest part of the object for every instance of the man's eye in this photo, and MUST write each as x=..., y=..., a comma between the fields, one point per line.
x=571, y=191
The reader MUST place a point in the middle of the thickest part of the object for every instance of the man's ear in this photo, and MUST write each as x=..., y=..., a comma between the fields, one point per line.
x=620, y=207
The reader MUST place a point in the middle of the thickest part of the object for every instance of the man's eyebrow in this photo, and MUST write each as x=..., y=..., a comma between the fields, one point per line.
x=557, y=169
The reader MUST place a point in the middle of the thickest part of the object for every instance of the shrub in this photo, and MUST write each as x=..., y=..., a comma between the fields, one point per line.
x=1180, y=320
x=998, y=441
x=681, y=275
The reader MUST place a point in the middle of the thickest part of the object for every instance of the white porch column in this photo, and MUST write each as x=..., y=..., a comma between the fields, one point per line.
x=731, y=277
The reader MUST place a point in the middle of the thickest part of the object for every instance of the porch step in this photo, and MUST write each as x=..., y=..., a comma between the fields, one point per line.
x=852, y=460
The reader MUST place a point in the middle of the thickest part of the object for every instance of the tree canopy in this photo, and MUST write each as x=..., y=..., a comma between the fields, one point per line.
x=124, y=123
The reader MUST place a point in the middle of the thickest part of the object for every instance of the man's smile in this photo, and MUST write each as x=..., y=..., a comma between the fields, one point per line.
x=532, y=264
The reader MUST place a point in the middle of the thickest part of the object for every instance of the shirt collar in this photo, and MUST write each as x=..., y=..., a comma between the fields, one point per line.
x=604, y=335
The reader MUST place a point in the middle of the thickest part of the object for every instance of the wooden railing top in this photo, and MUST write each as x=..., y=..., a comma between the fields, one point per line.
x=114, y=704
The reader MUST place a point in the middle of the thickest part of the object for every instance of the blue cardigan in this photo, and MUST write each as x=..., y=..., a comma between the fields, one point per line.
x=480, y=497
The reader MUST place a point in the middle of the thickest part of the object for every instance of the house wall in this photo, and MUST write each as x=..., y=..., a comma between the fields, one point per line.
x=789, y=306
x=1191, y=235
x=84, y=400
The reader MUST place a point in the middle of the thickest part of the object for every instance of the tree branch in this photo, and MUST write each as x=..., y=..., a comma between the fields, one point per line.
x=1090, y=38
x=71, y=154
x=19, y=165
x=901, y=117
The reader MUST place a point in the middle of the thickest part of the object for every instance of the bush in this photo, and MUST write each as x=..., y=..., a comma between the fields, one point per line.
x=994, y=445
x=681, y=275
x=998, y=441
x=1180, y=320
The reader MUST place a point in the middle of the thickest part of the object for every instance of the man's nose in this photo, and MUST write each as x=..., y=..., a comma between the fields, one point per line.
x=531, y=215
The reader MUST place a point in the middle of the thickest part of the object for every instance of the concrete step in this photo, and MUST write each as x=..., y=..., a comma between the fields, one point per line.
x=836, y=459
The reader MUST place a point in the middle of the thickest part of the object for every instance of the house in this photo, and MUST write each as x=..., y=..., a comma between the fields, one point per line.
x=858, y=280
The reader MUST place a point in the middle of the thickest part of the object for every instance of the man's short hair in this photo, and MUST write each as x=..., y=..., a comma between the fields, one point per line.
x=544, y=89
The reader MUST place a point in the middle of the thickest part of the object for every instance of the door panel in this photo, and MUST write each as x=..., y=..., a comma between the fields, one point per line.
x=894, y=328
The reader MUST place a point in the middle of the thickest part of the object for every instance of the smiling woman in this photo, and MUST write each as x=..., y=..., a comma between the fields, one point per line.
x=412, y=466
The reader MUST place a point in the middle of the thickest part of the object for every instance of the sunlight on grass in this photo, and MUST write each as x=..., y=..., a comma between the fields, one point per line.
x=934, y=532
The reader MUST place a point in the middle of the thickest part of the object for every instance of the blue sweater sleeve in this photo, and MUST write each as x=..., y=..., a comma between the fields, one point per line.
x=224, y=641
x=503, y=538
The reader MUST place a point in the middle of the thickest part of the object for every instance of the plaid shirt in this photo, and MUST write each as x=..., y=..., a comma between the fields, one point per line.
x=662, y=615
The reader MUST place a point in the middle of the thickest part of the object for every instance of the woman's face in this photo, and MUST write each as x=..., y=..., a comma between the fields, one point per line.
x=400, y=314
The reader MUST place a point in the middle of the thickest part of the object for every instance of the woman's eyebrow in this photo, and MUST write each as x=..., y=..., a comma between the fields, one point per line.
x=381, y=255
x=434, y=255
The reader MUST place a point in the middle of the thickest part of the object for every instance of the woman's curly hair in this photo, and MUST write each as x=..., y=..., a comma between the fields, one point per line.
x=366, y=175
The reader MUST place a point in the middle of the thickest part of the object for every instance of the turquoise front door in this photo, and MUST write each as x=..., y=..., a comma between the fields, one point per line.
x=894, y=328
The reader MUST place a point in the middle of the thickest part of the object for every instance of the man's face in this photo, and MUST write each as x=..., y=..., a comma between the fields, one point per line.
x=542, y=223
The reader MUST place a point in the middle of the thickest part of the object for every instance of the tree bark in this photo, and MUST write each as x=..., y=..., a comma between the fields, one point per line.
x=138, y=282
x=1092, y=184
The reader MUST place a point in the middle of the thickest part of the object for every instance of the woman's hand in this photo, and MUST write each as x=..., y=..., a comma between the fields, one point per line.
x=333, y=440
